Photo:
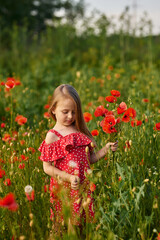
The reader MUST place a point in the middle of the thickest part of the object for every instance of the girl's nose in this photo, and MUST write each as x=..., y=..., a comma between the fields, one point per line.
x=69, y=115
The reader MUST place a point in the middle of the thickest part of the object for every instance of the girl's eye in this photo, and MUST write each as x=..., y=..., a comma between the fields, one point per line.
x=64, y=112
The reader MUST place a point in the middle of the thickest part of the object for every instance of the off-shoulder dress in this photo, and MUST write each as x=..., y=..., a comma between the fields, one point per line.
x=69, y=154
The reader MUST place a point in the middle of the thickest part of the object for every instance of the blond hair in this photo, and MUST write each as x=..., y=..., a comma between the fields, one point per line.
x=67, y=91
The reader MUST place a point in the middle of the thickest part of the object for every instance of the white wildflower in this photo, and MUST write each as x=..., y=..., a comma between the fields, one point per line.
x=28, y=189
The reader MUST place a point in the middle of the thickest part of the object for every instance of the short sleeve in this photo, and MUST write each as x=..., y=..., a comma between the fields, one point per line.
x=51, y=152
x=62, y=147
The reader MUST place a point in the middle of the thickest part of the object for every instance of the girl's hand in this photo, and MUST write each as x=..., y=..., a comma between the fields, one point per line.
x=113, y=146
x=74, y=180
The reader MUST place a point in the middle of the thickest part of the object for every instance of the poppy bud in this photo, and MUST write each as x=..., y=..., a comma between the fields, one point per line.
x=31, y=223
x=87, y=149
x=92, y=144
x=31, y=216
x=22, y=238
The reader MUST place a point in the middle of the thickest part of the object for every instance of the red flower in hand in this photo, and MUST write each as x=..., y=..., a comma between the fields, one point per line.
x=108, y=124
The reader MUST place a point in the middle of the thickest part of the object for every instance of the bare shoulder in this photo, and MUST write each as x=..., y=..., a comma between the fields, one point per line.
x=51, y=137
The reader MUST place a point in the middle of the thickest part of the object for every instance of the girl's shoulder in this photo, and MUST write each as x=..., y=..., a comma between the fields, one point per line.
x=51, y=137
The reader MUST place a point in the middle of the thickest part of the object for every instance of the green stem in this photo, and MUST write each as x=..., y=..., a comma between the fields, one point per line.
x=11, y=112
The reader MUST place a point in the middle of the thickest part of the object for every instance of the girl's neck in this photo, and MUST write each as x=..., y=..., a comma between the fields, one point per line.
x=65, y=129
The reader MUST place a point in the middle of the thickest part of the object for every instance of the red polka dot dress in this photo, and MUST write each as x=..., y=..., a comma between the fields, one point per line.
x=68, y=154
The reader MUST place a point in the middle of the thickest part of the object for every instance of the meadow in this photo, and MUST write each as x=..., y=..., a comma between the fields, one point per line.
x=126, y=183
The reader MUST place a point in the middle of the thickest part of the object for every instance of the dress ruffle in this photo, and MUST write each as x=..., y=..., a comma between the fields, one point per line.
x=63, y=146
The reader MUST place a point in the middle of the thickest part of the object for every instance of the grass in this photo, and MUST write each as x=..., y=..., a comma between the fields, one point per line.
x=127, y=182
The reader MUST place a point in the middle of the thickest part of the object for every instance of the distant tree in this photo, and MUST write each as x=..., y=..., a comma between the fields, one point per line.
x=36, y=12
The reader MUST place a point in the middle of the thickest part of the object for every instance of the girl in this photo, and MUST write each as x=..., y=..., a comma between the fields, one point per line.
x=67, y=153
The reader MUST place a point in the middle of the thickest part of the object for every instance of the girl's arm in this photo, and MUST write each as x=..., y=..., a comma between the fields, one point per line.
x=103, y=151
x=55, y=172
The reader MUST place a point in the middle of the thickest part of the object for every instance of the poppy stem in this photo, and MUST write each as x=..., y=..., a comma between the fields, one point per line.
x=11, y=112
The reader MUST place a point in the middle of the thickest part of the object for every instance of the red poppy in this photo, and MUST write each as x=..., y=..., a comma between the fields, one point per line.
x=22, y=121
x=108, y=77
x=92, y=187
x=110, y=67
x=7, y=109
x=157, y=127
x=23, y=157
x=109, y=113
x=125, y=118
x=10, y=84
x=7, y=182
x=141, y=162
x=2, y=83
x=117, y=75
x=2, y=173
x=145, y=100
x=21, y=166
x=18, y=117
x=111, y=99
x=120, y=179
x=115, y=93
x=30, y=196
x=109, y=129
x=87, y=116
x=9, y=202
x=131, y=113
x=122, y=108
x=22, y=142
x=16, y=81
x=31, y=149
x=45, y=188
x=46, y=115
x=108, y=120
x=100, y=111
x=136, y=123
x=3, y=125
x=46, y=106
x=95, y=132
x=108, y=124
x=158, y=237
x=6, y=137
x=118, y=120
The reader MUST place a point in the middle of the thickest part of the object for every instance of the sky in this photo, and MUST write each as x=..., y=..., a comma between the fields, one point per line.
x=138, y=7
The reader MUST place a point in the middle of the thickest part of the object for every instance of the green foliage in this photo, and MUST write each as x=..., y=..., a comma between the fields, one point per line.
x=35, y=13
x=127, y=182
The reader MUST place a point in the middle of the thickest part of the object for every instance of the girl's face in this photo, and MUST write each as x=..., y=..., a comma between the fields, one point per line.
x=65, y=112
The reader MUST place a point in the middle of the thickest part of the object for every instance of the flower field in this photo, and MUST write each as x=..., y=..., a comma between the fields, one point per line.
x=119, y=104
